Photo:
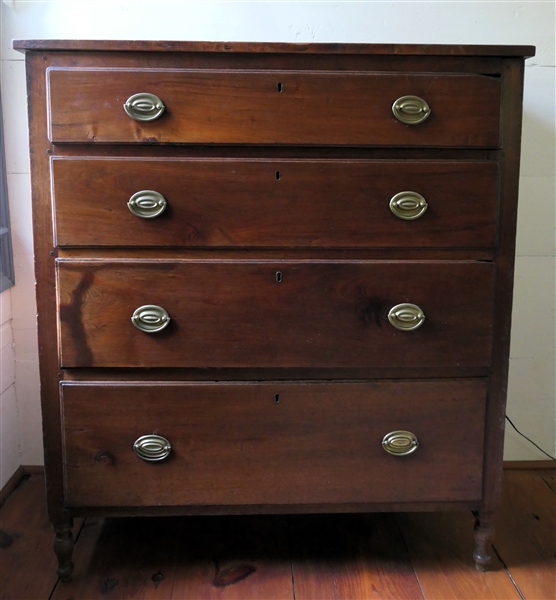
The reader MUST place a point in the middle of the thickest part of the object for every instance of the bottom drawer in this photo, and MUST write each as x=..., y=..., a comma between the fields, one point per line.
x=273, y=443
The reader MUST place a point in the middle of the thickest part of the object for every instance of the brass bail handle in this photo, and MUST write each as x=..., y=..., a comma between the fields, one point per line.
x=411, y=110
x=150, y=318
x=408, y=205
x=147, y=204
x=406, y=317
x=144, y=107
x=152, y=448
x=400, y=443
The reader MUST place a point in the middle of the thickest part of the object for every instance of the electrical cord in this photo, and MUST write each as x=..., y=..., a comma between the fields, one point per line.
x=529, y=440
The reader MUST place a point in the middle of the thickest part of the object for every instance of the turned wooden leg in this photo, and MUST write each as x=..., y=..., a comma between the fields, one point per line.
x=484, y=535
x=63, y=547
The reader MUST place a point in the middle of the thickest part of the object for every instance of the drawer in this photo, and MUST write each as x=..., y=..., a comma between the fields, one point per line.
x=235, y=444
x=248, y=313
x=271, y=107
x=274, y=203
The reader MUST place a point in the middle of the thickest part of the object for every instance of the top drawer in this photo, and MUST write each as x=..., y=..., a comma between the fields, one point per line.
x=272, y=107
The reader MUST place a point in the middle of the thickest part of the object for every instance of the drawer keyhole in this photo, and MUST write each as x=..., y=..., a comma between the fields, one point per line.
x=276, y=398
x=277, y=175
x=279, y=87
x=278, y=276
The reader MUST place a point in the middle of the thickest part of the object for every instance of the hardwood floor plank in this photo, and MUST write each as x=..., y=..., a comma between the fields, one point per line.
x=27, y=560
x=131, y=558
x=441, y=548
x=350, y=557
x=232, y=558
x=525, y=533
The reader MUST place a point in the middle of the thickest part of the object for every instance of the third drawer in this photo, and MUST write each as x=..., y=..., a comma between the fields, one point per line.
x=291, y=313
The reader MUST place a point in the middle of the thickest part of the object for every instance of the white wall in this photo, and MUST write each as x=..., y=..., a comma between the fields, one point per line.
x=532, y=383
x=9, y=428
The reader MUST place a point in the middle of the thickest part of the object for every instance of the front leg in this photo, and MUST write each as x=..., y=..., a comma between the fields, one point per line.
x=484, y=535
x=63, y=548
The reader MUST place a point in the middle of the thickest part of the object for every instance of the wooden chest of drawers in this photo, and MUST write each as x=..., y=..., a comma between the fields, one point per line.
x=273, y=277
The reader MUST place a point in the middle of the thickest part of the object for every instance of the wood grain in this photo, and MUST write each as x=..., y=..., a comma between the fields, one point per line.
x=237, y=314
x=27, y=562
x=358, y=557
x=274, y=203
x=124, y=558
x=233, y=558
x=525, y=538
x=549, y=478
x=227, y=107
x=440, y=546
x=277, y=104
x=282, y=443
x=282, y=47
x=350, y=557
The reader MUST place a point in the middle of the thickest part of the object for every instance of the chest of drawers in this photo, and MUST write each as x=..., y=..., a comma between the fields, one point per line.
x=273, y=277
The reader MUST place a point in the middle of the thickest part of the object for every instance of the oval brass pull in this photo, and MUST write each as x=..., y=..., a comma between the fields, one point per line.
x=406, y=317
x=144, y=107
x=150, y=318
x=408, y=205
x=152, y=447
x=147, y=204
x=400, y=443
x=411, y=110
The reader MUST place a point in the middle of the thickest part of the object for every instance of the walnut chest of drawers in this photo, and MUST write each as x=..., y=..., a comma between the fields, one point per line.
x=273, y=277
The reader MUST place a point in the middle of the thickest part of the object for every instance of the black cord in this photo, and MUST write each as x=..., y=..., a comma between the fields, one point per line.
x=529, y=440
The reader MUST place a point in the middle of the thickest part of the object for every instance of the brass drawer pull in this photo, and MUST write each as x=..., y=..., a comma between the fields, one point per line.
x=144, y=107
x=147, y=204
x=408, y=205
x=150, y=318
x=400, y=443
x=152, y=448
x=411, y=110
x=406, y=317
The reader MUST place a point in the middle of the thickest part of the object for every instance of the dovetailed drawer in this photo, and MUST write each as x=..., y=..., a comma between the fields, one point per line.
x=272, y=107
x=249, y=313
x=274, y=443
x=274, y=203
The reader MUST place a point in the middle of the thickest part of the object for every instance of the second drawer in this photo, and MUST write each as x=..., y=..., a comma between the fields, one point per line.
x=248, y=313
x=274, y=203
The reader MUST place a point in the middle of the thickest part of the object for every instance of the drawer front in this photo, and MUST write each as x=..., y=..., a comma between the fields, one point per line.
x=274, y=314
x=272, y=107
x=269, y=203
x=234, y=444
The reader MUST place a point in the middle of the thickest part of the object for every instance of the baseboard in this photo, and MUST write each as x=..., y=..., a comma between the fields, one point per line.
x=16, y=478
x=529, y=464
x=11, y=484
x=33, y=469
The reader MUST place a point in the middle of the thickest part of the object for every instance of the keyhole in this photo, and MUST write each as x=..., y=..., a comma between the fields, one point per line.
x=277, y=174
x=279, y=88
x=276, y=398
x=278, y=276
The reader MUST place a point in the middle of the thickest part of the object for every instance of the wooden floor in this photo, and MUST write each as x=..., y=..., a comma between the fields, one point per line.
x=336, y=557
